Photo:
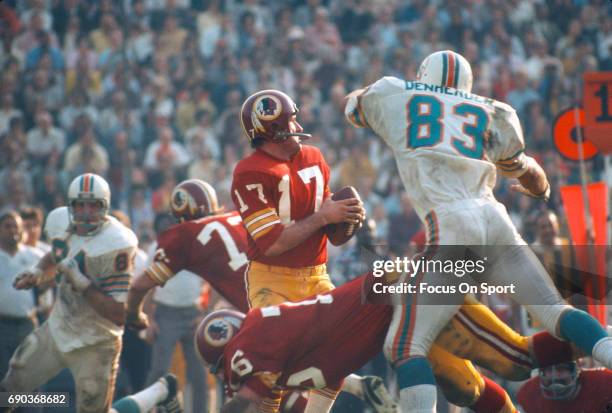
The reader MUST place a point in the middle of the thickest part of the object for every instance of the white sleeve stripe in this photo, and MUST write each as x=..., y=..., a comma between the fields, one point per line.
x=259, y=218
x=269, y=224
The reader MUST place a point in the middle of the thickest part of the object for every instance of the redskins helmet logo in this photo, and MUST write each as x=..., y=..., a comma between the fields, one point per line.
x=180, y=200
x=217, y=333
x=266, y=108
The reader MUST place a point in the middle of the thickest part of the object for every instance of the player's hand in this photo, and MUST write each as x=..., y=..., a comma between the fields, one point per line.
x=70, y=268
x=27, y=279
x=544, y=196
x=347, y=210
x=137, y=321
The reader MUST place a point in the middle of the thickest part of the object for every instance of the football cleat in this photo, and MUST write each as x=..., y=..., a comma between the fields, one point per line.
x=171, y=404
x=377, y=396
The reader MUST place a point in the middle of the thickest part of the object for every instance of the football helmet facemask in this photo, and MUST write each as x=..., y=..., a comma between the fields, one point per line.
x=560, y=381
x=446, y=68
x=267, y=114
x=88, y=203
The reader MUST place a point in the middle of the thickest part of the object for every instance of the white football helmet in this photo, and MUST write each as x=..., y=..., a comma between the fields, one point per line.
x=90, y=189
x=446, y=68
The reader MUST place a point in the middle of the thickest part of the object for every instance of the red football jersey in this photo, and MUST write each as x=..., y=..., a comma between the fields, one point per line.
x=594, y=396
x=213, y=248
x=271, y=193
x=313, y=343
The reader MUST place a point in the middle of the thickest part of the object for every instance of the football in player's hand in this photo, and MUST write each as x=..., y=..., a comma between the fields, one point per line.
x=341, y=233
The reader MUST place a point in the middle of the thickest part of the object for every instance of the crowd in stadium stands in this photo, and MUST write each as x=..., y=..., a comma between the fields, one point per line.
x=148, y=92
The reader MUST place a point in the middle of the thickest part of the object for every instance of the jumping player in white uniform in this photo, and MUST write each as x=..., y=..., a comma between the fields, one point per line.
x=448, y=144
x=83, y=332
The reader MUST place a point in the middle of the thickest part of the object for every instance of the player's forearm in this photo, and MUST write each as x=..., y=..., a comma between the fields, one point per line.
x=139, y=288
x=534, y=178
x=296, y=234
x=104, y=305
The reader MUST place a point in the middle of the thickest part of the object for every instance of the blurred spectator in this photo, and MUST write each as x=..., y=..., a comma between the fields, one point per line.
x=322, y=37
x=170, y=41
x=17, y=308
x=165, y=153
x=521, y=94
x=78, y=105
x=7, y=111
x=28, y=39
x=45, y=139
x=33, y=219
x=202, y=136
x=86, y=155
x=43, y=48
x=44, y=91
x=101, y=37
x=141, y=212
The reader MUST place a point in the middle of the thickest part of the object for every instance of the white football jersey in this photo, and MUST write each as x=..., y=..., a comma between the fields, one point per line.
x=446, y=142
x=107, y=258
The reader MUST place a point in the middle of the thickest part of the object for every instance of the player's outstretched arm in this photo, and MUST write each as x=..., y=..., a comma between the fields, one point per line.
x=140, y=287
x=533, y=181
x=331, y=212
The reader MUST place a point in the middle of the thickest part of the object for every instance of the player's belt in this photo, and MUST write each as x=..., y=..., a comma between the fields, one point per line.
x=313, y=271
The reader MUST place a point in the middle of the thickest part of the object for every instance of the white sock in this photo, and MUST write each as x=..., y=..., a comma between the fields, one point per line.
x=320, y=401
x=353, y=385
x=148, y=398
x=602, y=352
x=418, y=399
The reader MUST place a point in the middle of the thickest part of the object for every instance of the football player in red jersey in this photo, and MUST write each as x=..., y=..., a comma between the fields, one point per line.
x=281, y=190
x=282, y=193
x=317, y=350
x=565, y=388
x=207, y=242
x=212, y=244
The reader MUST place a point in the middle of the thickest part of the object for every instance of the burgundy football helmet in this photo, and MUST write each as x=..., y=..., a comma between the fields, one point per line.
x=213, y=333
x=266, y=115
x=193, y=199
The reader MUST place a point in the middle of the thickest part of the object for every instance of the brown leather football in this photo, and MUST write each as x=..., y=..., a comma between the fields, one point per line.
x=339, y=234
